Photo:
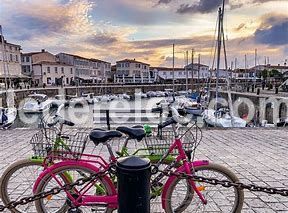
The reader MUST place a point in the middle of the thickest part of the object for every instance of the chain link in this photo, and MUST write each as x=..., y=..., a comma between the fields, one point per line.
x=54, y=191
x=228, y=184
x=92, y=177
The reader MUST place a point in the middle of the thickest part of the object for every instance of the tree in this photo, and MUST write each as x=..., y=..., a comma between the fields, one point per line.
x=264, y=74
x=275, y=73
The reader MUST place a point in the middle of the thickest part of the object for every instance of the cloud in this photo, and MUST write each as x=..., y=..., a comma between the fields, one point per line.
x=164, y=1
x=240, y=27
x=102, y=39
x=273, y=31
x=204, y=6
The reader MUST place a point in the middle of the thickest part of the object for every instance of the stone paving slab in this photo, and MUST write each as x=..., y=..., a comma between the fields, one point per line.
x=257, y=156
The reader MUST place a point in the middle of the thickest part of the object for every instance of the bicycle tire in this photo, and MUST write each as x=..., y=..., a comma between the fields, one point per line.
x=189, y=200
x=19, y=183
x=68, y=168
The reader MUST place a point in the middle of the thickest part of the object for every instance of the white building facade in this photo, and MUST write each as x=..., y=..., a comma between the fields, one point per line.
x=10, y=61
x=165, y=74
x=132, y=71
x=53, y=74
x=87, y=70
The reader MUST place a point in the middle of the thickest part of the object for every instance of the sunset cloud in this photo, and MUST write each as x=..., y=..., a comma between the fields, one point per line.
x=145, y=30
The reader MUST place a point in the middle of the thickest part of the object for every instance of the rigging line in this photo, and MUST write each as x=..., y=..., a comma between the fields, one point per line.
x=214, y=46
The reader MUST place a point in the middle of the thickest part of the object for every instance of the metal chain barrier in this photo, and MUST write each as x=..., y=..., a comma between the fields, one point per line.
x=54, y=191
x=228, y=184
x=82, y=181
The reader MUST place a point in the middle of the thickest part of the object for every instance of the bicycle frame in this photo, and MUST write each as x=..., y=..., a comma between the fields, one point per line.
x=111, y=200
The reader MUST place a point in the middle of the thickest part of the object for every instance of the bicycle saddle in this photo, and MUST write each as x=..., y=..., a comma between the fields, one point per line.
x=133, y=133
x=100, y=136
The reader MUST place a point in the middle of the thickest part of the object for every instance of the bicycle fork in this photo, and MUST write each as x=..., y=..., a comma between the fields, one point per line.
x=192, y=182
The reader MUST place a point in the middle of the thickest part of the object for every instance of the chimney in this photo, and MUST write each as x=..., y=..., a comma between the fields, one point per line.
x=134, y=59
x=43, y=50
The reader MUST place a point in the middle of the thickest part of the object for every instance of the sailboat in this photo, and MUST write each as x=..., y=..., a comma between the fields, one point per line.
x=7, y=115
x=222, y=117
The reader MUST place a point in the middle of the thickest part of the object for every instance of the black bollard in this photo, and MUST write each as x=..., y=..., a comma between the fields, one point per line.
x=276, y=90
x=108, y=119
x=258, y=91
x=133, y=177
x=253, y=87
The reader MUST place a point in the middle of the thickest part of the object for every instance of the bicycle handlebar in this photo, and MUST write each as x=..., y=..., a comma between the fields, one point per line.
x=177, y=117
x=167, y=123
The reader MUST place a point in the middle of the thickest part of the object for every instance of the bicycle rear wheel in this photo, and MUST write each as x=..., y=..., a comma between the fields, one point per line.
x=181, y=197
x=17, y=182
x=56, y=203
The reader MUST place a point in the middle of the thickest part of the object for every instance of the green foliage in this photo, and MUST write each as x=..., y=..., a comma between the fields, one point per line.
x=264, y=74
x=273, y=74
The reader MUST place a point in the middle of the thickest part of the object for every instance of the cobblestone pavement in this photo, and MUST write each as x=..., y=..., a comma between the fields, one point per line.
x=257, y=156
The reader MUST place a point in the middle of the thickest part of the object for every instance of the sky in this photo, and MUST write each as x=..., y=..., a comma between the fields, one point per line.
x=146, y=29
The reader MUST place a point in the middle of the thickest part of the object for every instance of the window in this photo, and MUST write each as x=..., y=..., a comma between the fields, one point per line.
x=164, y=73
x=17, y=58
x=127, y=65
x=44, y=73
x=48, y=69
x=56, y=69
x=49, y=81
x=27, y=59
x=71, y=70
x=62, y=70
x=11, y=57
x=22, y=59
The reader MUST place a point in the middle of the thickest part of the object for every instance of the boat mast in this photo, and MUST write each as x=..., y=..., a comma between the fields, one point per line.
x=255, y=71
x=192, y=69
x=226, y=69
x=186, y=69
x=199, y=72
x=218, y=56
x=173, y=69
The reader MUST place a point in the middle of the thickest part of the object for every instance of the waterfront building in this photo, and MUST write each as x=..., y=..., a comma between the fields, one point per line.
x=53, y=73
x=10, y=65
x=165, y=74
x=28, y=59
x=132, y=71
x=87, y=70
x=260, y=68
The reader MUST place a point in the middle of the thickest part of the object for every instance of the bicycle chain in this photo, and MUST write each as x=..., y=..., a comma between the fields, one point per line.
x=228, y=184
x=82, y=181
x=54, y=191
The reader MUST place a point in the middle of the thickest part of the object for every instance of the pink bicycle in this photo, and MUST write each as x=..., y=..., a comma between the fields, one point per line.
x=178, y=194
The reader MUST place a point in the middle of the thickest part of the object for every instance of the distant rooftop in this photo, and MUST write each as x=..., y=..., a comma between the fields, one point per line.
x=5, y=42
x=81, y=57
x=52, y=63
x=167, y=68
x=131, y=61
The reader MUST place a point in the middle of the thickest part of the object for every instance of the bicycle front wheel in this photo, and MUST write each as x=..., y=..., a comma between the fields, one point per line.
x=181, y=197
x=17, y=182
x=59, y=203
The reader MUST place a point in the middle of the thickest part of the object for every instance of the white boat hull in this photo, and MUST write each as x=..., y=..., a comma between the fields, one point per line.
x=223, y=122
